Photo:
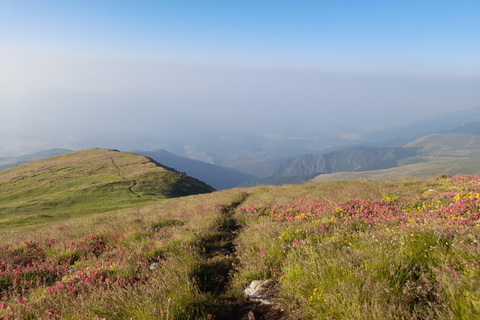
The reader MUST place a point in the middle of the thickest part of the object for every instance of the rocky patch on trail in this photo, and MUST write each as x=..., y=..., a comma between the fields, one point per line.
x=262, y=291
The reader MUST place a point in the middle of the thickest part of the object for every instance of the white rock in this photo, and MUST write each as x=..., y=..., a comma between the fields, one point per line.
x=261, y=290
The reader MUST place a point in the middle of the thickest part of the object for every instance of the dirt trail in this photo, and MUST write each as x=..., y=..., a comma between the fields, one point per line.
x=218, y=251
x=123, y=178
x=219, y=258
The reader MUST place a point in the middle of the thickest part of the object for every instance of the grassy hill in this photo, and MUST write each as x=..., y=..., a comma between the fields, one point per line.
x=336, y=250
x=427, y=168
x=86, y=182
x=447, y=145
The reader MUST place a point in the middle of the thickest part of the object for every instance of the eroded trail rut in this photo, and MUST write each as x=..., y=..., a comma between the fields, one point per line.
x=214, y=275
x=218, y=252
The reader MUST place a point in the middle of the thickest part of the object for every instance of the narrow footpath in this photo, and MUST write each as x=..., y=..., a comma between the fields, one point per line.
x=123, y=178
x=215, y=274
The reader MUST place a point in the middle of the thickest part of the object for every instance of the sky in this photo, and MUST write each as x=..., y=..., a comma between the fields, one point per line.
x=385, y=61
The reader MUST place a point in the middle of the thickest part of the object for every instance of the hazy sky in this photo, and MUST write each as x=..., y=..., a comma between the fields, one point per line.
x=320, y=58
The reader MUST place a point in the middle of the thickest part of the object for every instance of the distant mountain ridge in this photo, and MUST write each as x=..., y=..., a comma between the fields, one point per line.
x=447, y=145
x=435, y=149
x=9, y=162
x=458, y=141
x=350, y=159
x=470, y=166
x=438, y=123
x=450, y=153
x=472, y=128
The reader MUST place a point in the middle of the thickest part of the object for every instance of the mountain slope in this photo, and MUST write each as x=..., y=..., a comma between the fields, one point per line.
x=452, y=153
x=429, y=153
x=348, y=159
x=432, y=167
x=447, y=145
x=351, y=159
x=218, y=177
x=278, y=181
x=84, y=182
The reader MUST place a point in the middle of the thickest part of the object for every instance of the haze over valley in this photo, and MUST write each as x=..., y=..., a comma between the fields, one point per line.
x=234, y=85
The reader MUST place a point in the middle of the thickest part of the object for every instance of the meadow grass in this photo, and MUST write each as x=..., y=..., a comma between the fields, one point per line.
x=387, y=250
x=338, y=250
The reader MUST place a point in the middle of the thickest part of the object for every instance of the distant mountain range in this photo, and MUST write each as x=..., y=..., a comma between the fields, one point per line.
x=466, y=128
x=9, y=162
x=438, y=166
x=239, y=140
x=454, y=153
x=447, y=145
x=349, y=159
x=438, y=150
x=462, y=121
x=460, y=141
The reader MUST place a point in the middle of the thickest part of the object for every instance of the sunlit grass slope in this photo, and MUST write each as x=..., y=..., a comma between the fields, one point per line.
x=431, y=166
x=384, y=249
x=85, y=182
x=448, y=145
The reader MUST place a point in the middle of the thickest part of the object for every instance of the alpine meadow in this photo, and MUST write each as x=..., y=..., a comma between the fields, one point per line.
x=389, y=249
x=239, y=160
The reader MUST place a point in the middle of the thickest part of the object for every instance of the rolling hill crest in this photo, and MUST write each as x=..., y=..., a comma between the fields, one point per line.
x=87, y=181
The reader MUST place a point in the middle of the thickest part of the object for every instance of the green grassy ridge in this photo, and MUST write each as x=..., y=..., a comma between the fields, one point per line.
x=85, y=182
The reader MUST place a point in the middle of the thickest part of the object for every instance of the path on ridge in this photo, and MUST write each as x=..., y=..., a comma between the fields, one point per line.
x=123, y=178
